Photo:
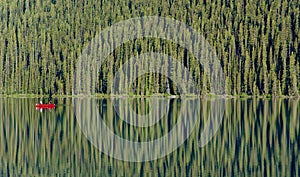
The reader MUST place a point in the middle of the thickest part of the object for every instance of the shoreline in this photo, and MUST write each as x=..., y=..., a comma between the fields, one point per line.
x=148, y=96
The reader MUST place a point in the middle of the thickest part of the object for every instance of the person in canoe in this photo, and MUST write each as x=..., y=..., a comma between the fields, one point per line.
x=45, y=105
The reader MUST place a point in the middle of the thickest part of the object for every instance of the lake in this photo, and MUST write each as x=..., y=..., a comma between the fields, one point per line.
x=252, y=137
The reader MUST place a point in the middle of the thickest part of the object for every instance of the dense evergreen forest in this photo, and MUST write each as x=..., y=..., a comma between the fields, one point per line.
x=256, y=41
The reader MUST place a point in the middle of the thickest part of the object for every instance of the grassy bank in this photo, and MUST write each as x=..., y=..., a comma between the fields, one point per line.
x=242, y=96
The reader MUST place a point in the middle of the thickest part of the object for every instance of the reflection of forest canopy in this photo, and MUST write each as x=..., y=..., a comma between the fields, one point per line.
x=253, y=134
x=256, y=41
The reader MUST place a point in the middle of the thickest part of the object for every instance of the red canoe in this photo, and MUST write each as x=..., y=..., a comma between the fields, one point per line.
x=45, y=106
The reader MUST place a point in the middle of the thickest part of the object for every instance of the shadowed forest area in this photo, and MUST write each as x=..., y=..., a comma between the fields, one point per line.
x=257, y=43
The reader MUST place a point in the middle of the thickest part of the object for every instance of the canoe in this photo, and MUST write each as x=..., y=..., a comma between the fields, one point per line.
x=45, y=106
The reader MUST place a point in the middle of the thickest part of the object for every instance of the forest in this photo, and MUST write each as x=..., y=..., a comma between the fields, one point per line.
x=257, y=43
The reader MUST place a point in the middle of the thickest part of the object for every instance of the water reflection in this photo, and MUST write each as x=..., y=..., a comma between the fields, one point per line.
x=256, y=137
x=179, y=122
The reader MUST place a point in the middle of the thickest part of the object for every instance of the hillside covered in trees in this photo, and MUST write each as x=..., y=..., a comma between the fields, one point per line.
x=257, y=42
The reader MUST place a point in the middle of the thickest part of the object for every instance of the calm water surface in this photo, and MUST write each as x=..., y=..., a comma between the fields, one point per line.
x=256, y=137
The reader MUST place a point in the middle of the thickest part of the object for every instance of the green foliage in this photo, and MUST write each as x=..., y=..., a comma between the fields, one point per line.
x=256, y=41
